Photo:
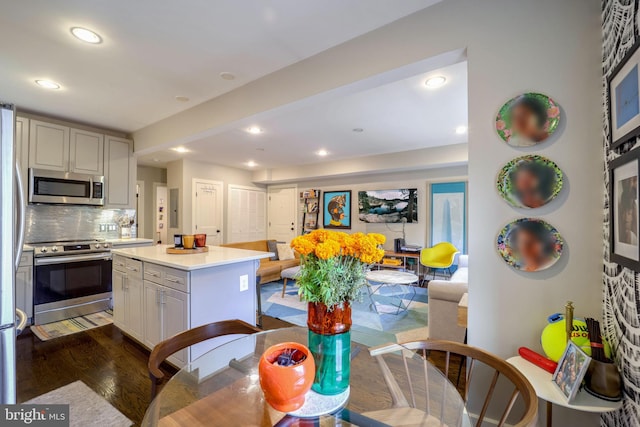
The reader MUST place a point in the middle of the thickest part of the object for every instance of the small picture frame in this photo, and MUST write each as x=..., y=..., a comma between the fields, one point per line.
x=337, y=209
x=571, y=369
x=623, y=88
x=624, y=223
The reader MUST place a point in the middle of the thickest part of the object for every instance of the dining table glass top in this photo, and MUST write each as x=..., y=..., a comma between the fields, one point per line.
x=222, y=388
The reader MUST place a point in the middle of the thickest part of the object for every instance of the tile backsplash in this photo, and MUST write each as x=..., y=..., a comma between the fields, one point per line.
x=45, y=223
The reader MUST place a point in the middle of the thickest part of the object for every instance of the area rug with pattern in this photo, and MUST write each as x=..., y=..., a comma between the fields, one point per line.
x=86, y=407
x=369, y=327
x=74, y=325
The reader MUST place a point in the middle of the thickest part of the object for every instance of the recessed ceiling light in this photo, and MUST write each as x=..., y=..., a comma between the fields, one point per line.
x=180, y=149
x=86, y=35
x=225, y=75
x=322, y=153
x=358, y=130
x=155, y=159
x=259, y=149
x=182, y=99
x=435, y=82
x=48, y=84
x=251, y=164
x=254, y=130
x=461, y=130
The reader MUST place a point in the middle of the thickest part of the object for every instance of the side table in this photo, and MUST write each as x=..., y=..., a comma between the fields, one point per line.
x=546, y=390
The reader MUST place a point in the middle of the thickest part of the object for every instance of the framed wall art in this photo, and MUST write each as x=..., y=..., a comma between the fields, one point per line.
x=529, y=181
x=527, y=120
x=623, y=208
x=337, y=209
x=449, y=214
x=388, y=206
x=624, y=103
x=530, y=244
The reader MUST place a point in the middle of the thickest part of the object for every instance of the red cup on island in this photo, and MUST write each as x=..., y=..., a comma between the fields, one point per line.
x=286, y=384
x=201, y=240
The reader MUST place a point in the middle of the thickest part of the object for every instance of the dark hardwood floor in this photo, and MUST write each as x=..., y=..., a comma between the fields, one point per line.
x=109, y=363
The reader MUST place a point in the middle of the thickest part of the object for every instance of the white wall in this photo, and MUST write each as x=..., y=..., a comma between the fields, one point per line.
x=180, y=175
x=512, y=46
x=417, y=233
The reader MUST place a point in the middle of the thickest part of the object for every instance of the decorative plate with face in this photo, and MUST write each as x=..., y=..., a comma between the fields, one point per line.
x=529, y=181
x=527, y=120
x=530, y=244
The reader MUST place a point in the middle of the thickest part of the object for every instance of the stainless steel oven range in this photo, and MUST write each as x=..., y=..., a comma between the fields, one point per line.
x=71, y=278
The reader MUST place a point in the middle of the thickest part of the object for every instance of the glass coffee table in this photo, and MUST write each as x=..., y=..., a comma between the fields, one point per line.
x=378, y=280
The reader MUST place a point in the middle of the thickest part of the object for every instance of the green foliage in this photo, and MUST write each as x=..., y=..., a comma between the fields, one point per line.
x=331, y=281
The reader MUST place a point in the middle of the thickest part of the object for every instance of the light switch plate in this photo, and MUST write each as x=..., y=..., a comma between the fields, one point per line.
x=244, y=283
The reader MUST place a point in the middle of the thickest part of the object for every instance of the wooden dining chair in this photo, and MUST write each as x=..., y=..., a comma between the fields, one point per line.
x=188, y=338
x=407, y=408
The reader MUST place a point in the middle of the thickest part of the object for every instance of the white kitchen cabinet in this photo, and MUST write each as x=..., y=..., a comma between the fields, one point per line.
x=120, y=173
x=86, y=152
x=24, y=284
x=48, y=146
x=175, y=309
x=152, y=314
x=127, y=294
x=117, y=285
x=134, y=306
x=22, y=152
x=166, y=313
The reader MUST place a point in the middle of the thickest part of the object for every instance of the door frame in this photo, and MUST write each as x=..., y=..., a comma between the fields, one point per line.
x=296, y=203
x=219, y=208
x=165, y=220
x=140, y=200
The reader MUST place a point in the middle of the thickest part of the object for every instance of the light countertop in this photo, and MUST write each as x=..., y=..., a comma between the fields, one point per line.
x=216, y=256
x=27, y=248
x=132, y=241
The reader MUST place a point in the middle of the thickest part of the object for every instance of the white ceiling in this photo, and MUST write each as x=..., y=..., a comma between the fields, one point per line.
x=154, y=50
x=398, y=116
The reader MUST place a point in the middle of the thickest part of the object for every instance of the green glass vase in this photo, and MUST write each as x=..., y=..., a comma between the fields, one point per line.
x=330, y=343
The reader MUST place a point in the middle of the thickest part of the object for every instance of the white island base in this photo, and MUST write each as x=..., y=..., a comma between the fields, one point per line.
x=157, y=295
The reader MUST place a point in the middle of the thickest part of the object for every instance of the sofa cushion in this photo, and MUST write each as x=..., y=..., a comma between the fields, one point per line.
x=461, y=275
x=288, y=263
x=285, y=252
x=269, y=267
x=272, y=246
x=447, y=291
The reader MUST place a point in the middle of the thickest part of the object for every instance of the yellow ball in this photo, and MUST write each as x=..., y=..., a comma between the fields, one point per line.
x=554, y=339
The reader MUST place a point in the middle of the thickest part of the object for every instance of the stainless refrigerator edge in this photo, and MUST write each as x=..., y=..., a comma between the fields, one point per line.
x=11, y=241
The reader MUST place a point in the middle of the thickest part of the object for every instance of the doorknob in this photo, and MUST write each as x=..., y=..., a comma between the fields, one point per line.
x=291, y=228
x=217, y=231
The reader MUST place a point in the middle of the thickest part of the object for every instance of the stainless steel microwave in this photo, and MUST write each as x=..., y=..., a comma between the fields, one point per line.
x=65, y=188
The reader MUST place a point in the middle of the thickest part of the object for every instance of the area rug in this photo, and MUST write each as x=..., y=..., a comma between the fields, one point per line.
x=86, y=407
x=72, y=326
x=369, y=328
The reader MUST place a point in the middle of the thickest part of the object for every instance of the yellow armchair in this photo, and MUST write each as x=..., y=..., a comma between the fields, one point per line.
x=440, y=256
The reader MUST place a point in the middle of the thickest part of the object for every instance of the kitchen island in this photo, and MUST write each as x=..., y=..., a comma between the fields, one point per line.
x=157, y=295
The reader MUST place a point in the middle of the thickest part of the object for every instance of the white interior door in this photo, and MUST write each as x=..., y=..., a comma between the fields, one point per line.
x=207, y=210
x=282, y=213
x=246, y=214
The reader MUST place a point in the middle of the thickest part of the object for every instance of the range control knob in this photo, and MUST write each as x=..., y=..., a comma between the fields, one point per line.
x=43, y=250
x=54, y=249
x=97, y=245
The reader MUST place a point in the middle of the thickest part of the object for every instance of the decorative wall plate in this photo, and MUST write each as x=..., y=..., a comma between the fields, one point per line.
x=530, y=244
x=527, y=119
x=529, y=181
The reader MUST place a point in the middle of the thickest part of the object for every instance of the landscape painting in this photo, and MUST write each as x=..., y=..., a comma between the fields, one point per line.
x=388, y=206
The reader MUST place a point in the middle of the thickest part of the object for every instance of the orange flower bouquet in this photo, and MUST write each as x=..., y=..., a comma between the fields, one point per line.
x=334, y=264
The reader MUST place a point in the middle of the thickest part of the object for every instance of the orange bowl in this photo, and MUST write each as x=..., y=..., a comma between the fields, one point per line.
x=285, y=387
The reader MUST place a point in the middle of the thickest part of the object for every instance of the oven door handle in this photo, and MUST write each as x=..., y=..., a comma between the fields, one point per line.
x=71, y=258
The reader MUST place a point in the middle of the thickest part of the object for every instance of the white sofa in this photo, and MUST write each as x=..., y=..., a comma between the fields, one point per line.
x=444, y=296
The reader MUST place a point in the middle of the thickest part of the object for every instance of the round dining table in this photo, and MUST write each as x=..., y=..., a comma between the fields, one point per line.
x=222, y=388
